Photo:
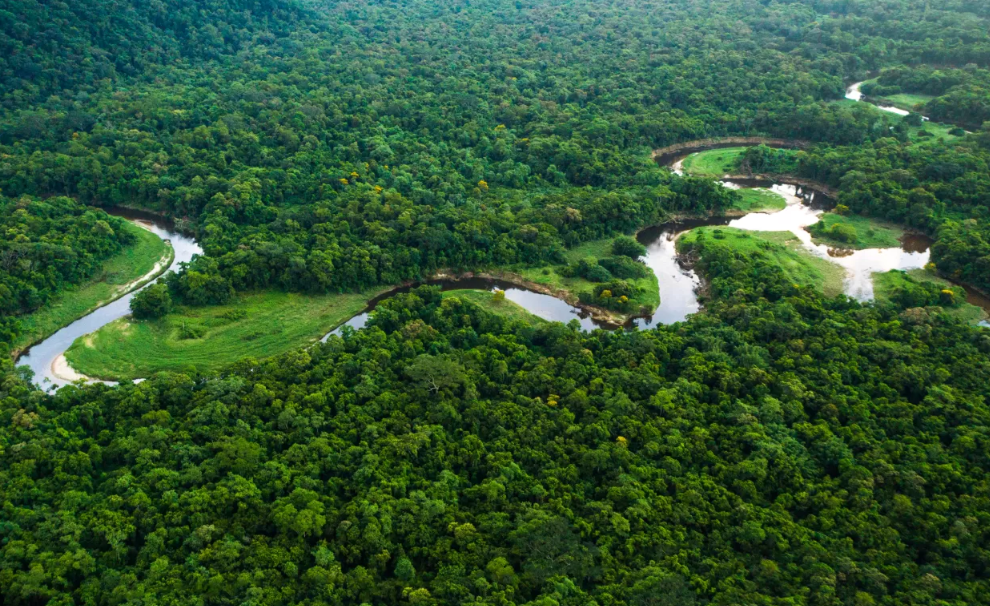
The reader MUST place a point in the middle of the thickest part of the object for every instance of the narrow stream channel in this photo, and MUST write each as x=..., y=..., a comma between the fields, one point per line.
x=853, y=94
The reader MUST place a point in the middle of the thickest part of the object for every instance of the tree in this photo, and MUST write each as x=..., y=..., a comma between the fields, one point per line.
x=627, y=247
x=151, y=302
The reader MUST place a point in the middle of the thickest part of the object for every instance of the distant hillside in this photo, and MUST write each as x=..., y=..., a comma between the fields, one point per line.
x=48, y=45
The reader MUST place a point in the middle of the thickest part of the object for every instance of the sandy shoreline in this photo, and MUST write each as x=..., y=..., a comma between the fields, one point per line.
x=62, y=371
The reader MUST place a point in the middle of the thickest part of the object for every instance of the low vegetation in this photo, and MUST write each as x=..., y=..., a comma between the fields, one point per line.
x=713, y=163
x=922, y=287
x=758, y=159
x=593, y=260
x=254, y=325
x=908, y=101
x=493, y=302
x=776, y=251
x=48, y=247
x=855, y=231
x=112, y=280
x=758, y=199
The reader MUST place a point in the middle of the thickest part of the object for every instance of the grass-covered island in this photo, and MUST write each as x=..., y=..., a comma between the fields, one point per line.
x=779, y=252
x=856, y=232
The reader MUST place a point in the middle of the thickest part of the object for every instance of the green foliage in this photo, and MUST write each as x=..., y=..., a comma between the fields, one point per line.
x=200, y=283
x=208, y=338
x=589, y=269
x=921, y=287
x=781, y=447
x=152, y=302
x=624, y=268
x=47, y=247
x=937, y=189
x=616, y=295
x=113, y=279
x=761, y=159
x=913, y=293
x=767, y=262
x=843, y=233
x=428, y=456
x=46, y=47
x=306, y=171
x=948, y=94
x=628, y=247
x=603, y=270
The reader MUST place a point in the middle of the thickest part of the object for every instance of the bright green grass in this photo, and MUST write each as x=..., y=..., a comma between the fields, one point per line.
x=254, y=325
x=908, y=101
x=717, y=162
x=798, y=264
x=506, y=308
x=109, y=283
x=884, y=283
x=649, y=288
x=869, y=232
x=757, y=199
x=939, y=132
x=714, y=162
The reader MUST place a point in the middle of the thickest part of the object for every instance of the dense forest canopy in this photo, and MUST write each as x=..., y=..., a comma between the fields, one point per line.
x=48, y=246
x=780, y=447
x=342, y=145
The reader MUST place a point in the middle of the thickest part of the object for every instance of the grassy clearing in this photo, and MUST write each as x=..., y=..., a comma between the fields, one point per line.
x=714, y=162
x=885, y=283
x=109, y=283
x=649, y=288
x=908, y=101
x=784, y=249
x=939, y=132
x=505, y=307
x=853, y=231
x=718, y=162
x=255, y=325
x=757, y=199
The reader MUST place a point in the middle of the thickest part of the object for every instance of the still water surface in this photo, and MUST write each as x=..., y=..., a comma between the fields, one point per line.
x=678, y=283
x=41, y=357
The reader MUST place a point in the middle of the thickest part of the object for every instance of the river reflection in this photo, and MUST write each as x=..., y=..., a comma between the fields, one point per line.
x=678, y=284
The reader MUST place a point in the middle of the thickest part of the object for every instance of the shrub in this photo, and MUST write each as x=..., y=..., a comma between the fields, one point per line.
x=615, y=295
x=624, y=267
x=589, y=269
x=627, y=247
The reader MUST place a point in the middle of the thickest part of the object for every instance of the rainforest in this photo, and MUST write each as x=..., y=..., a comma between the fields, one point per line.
x=508, y=303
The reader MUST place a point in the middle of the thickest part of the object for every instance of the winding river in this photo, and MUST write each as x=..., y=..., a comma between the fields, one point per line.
x=45, y=358
x=678, y=283
x=853, y=94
